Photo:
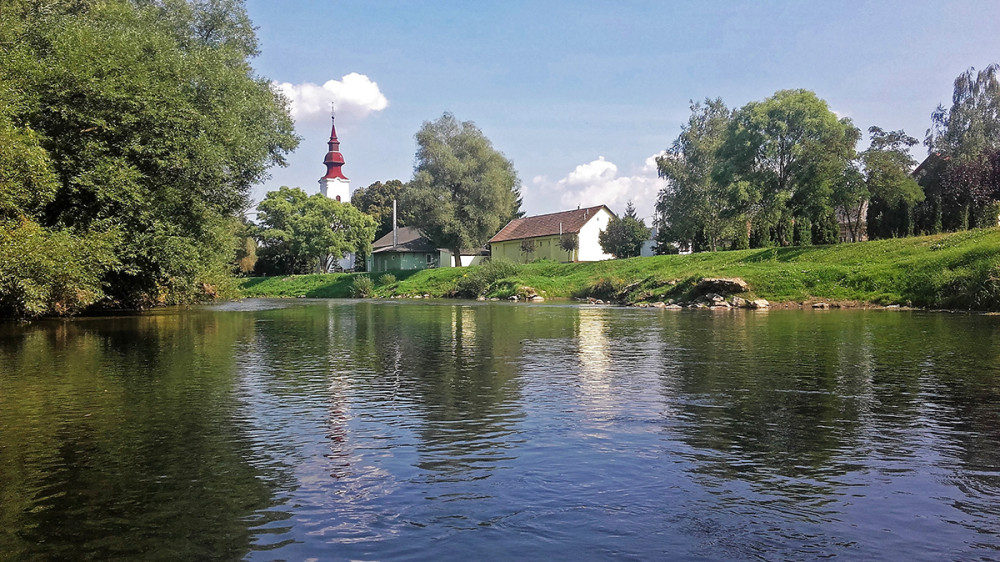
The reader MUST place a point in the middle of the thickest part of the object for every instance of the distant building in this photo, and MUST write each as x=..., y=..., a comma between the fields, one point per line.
x=407, y=249
x=649, y=244
x=859, y=222
x=545, y=236
x=335, y=185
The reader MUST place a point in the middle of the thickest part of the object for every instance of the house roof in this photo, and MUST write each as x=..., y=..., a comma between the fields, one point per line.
x=565, y=222
x=410, y=240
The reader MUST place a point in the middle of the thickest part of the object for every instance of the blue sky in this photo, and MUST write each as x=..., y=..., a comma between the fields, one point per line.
x=581, y=95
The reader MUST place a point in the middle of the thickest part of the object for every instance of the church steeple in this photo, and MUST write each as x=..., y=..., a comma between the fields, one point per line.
x=334, y=184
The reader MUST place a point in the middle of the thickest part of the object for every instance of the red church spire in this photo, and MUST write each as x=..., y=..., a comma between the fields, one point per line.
x=334, y=160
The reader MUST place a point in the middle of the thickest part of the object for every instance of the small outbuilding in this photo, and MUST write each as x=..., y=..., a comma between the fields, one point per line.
x=567, y=236
x=408, y=249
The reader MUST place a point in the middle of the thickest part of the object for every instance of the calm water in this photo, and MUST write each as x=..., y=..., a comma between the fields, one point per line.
x=361, y=430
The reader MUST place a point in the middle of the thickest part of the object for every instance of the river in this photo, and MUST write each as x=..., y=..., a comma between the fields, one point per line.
x=447, y=430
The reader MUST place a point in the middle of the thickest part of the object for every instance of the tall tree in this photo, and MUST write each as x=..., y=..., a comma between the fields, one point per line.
x=463, y=190
x=966, y=138
x=301, y=233
x=893, y=192
x=970, y=128
x=692, y=206
x=850, y=200
x=155, y=126
x=780, y=160
x=376, y=201
x=624, y=235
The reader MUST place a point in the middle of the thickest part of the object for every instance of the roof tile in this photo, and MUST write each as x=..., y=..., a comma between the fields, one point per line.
x=566, y=222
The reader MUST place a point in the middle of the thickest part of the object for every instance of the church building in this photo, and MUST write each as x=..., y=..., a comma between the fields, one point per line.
x=335, y=184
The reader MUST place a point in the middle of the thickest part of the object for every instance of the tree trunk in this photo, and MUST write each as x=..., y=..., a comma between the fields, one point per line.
x=458, y=257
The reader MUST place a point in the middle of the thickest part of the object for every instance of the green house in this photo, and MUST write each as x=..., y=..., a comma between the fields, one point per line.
x=409, y=250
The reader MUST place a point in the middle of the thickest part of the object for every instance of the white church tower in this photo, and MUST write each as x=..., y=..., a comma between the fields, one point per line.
x=335, y=184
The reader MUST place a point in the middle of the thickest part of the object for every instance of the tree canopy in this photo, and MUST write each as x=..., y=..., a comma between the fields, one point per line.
x=463, y=190
x=300, y=233
x=624, y=235
x=770, y=172
x=689, y=206
x=962, y=174
x=781, y=158
x=140, y=121
x=970, y=128
x=376, y=201
x=891, y=190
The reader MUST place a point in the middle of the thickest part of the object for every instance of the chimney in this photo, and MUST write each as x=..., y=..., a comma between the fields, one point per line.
x=395, y=229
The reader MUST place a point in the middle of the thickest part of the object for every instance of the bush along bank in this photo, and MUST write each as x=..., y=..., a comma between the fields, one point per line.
x=950, y=271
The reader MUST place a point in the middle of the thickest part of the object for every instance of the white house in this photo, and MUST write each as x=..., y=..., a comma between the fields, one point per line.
x=567, y=236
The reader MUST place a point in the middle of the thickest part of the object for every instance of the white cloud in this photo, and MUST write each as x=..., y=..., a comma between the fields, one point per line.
x=355, y=97
x=598, y=183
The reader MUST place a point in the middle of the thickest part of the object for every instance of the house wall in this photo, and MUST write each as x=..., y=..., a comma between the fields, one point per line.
x=546, y=247
x=448, y=259
x=590, y=245
x=400, y=261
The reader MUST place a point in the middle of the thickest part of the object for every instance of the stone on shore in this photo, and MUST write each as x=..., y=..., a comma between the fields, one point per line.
x=720, y=285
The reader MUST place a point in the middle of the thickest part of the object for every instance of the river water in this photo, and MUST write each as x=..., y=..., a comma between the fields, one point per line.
x=296, y=429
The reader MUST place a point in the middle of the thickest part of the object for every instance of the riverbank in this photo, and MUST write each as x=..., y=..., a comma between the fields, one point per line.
x=953, y=271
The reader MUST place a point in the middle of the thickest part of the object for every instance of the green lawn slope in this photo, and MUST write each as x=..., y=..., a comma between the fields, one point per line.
x=951, y=271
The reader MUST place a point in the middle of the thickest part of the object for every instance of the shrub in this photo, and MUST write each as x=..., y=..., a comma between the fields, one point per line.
x=607, y=288
x=386, y=279
x=481, y=279
x=44, y=272
x=362, y=287
x=569, y=242
x=471, y=285
x=497, y=269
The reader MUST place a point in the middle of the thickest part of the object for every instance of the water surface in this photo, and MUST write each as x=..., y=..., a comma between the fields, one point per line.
x=358, y=430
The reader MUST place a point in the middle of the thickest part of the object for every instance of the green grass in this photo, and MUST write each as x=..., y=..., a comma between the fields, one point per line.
x=957, y=271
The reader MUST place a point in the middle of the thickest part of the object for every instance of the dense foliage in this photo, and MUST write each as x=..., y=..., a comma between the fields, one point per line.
x=962, y=175
x=689, y=206
x=132, y=132
x=463, y=190
x=376, y=201
x=785, y=171
x=299, y=233
x=624, y=235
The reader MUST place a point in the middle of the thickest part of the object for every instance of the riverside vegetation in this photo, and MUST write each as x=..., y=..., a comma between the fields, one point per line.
x=946, y=271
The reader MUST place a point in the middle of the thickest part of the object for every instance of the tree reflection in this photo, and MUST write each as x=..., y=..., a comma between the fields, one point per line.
x=118, y=439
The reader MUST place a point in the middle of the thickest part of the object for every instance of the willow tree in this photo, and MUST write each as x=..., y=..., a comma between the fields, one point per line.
x=692, y=207
x=781, y=159
x=463, y=190
x=970, y=128
x=966, y=139
x=155, y=127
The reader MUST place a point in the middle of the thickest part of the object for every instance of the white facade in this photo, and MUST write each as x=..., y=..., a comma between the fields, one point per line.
x=336, y=188
x=590, y=245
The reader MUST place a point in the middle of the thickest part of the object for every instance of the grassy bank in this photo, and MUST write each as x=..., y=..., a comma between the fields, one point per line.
x=957, y=271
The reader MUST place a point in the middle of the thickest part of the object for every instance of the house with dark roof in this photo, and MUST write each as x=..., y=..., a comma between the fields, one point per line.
x=408, y=249
x=568, y=236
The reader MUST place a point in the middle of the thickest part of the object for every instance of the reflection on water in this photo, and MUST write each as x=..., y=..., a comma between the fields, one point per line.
x=339, y=430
